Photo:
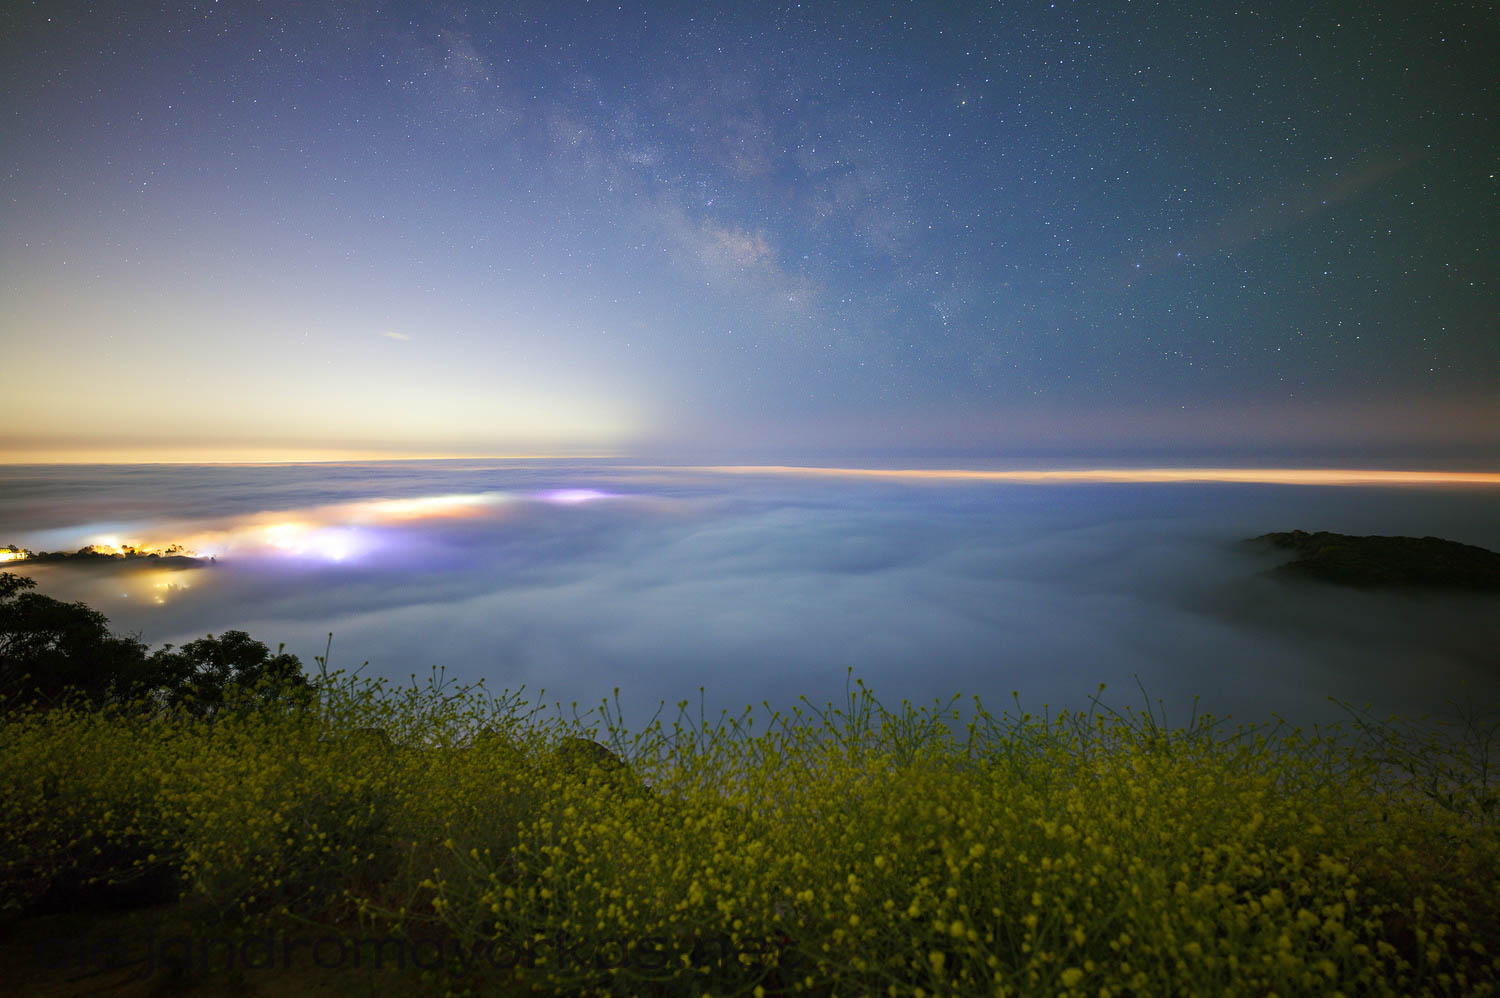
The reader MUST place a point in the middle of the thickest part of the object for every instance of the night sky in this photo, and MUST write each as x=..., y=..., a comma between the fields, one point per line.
x=921, y=232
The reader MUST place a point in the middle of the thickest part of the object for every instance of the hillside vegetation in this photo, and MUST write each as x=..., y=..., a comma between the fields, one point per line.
x=845, y=849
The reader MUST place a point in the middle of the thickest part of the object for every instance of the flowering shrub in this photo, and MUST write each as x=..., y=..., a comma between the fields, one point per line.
x=847, y=849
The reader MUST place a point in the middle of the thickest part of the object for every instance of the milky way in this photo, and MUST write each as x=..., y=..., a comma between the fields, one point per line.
x=754, y=231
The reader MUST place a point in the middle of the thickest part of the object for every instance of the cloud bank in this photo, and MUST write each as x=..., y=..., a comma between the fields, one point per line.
x=761, y=588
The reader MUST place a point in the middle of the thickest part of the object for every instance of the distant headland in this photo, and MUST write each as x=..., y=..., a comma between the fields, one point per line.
x=1386, y=562
x=173, y=556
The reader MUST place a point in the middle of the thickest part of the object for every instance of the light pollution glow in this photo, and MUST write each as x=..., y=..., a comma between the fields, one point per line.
x=346, y=390
x=1257, y=476
x=233, y=454
x=333, y=533
x=571, y=497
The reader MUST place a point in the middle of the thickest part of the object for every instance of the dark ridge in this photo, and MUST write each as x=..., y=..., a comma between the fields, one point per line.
x=1387, y=562
x=172, y=557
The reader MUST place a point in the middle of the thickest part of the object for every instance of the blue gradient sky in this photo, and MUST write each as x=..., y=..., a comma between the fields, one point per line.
x=876, y=231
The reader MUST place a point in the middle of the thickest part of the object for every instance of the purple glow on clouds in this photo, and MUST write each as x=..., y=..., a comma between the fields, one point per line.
x=326, y=543
x=570, y=497
x=336, y=533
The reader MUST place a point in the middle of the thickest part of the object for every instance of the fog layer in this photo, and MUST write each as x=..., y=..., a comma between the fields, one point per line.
x=579, y=579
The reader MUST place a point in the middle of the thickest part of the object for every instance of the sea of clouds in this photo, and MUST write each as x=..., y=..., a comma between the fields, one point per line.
x=579, y=578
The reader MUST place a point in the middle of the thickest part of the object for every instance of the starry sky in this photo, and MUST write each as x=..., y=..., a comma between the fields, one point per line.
x=873, y=231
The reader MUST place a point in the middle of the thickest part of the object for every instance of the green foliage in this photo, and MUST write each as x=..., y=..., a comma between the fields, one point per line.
x=842, y=848
x=50, y=650
x=48, y=647
x=232, y=671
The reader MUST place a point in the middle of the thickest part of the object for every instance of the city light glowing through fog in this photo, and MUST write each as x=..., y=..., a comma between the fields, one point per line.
x=328, y=533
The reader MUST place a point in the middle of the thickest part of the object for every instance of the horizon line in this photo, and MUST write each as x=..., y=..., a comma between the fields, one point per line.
x=345, y=458
x=1268, y=476
x=1162, y=474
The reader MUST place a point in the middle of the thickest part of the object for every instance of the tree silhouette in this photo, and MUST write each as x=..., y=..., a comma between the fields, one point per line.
x=49, y=649
x=210, y=675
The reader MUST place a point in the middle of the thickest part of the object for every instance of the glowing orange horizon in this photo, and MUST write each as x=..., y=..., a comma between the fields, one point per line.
x=1266, y=476
x=269, y=457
